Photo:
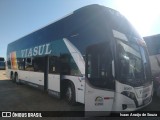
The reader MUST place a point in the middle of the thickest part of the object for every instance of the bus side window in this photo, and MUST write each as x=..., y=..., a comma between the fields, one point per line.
x=38, y=64
x=65, y=67
x=21, y=63
x=28, y=64
x=68, y=65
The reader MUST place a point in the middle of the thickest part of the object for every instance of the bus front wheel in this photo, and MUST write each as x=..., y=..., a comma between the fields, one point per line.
x=70, y=94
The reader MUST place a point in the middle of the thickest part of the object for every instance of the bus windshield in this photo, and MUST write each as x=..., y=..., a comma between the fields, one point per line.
x=133, y=64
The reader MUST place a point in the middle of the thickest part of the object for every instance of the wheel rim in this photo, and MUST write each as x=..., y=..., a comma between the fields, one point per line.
x=69, y=94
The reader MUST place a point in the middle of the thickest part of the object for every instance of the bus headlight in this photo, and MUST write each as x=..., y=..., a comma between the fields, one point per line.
x=129, y=94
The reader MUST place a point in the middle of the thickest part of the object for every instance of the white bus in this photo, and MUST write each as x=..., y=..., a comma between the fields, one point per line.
x=92, y=56
x=153, y=44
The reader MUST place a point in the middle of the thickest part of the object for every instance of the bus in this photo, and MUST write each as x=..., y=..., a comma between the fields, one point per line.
x=92, y=56
x=153, y=44
x=2, y=63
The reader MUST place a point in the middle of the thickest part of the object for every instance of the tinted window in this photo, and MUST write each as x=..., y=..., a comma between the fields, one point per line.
x=21, y=63
x=28, y=64
x=35, y=64
x=131, y=67
x=99, y=66
x=54, y=64
x=38, y=64
x=68, y=65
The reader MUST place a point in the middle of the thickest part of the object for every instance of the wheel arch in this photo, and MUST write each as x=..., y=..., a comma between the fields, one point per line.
x=64, y=84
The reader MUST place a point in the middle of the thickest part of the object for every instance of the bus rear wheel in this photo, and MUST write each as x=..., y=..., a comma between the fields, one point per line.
x=12, y=77
x=16, y=79
x=70, y=94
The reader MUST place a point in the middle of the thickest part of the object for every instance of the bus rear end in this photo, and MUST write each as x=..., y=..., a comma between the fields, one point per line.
x=2, y=63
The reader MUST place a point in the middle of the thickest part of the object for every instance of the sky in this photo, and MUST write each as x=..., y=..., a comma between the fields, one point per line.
x=21, y=17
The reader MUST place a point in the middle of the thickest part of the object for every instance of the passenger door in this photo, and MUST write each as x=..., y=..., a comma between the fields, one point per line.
x=100, y=86
x=54, y=76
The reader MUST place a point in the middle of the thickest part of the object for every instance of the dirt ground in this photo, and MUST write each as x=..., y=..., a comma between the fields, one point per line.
x=3, y=75
x=15, y=97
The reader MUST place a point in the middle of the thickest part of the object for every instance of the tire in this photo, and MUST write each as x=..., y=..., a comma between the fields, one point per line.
x=70, y=94
x=16, y=79
x=12, y=77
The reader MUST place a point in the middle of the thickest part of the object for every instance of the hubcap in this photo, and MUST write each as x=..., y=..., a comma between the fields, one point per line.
x=69, y=94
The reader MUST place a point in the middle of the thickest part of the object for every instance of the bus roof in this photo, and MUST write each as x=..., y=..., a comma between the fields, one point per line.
x=89, y=8
x=59, y=29
x=92, y=22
